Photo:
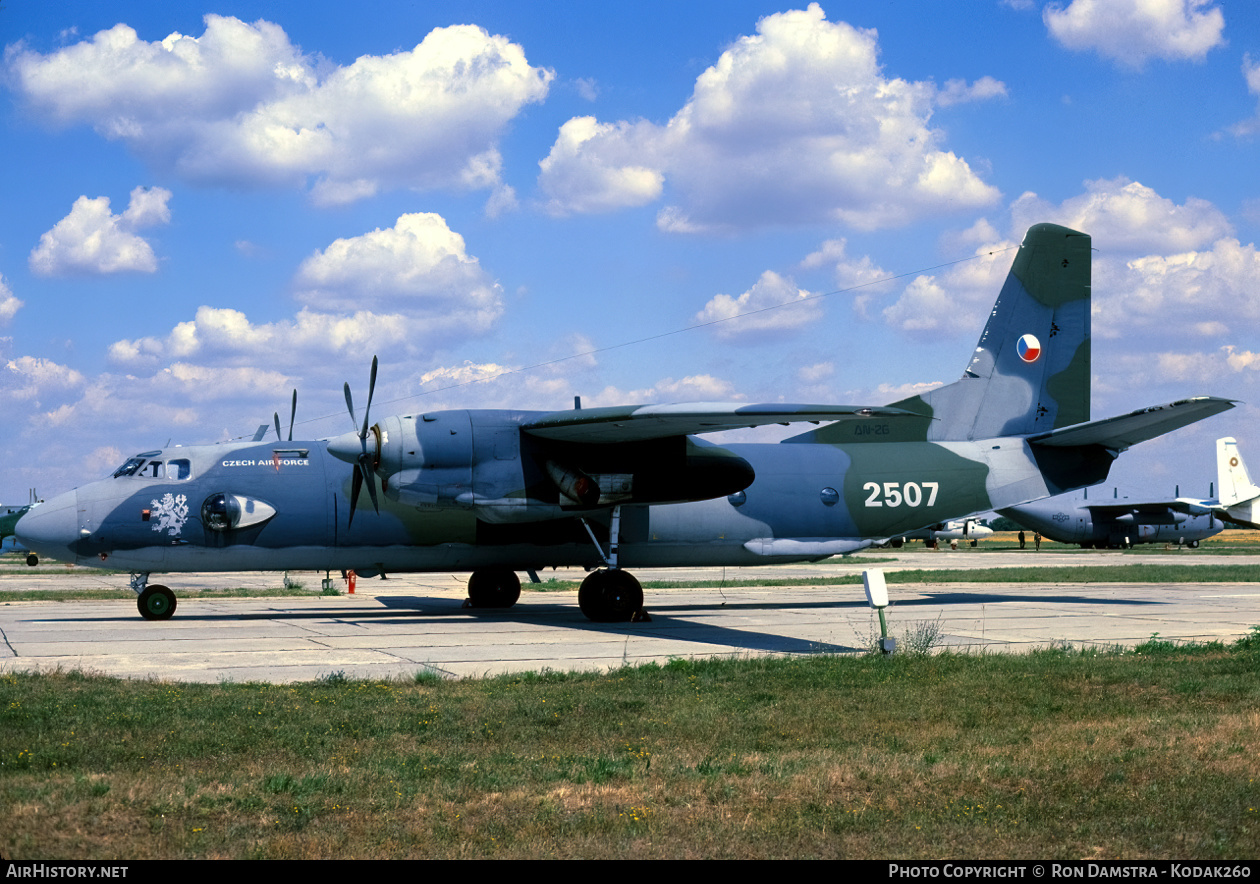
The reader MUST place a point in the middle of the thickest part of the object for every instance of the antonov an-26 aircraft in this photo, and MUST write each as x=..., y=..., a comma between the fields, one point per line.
x=498, y=492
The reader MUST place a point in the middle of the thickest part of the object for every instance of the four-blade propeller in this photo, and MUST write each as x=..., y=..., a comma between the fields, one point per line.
x=365, y=459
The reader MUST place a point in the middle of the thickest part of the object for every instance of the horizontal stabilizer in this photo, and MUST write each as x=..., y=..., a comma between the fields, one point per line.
x=1119, y=433
x=638, y=423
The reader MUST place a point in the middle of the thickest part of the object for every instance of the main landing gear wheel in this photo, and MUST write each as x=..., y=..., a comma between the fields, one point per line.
x=610, y=596
x=156, y=603
x=493, y=588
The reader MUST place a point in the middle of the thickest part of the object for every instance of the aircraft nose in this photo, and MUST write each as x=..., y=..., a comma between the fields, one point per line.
x=51, y=528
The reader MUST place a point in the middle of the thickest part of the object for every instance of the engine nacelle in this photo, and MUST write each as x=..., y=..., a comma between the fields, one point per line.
x=482, y=460
x=1167, y=517
x=425, y=459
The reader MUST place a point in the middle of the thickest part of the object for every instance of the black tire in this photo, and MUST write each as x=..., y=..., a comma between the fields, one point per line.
x=156, y=603
x=610, y=596
x=493, y=588
x=32, y=560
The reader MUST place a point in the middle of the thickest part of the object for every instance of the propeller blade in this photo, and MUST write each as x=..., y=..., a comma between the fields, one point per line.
x=355, y=487
x=368, y=409
x=366, y=466
x=292, y=416
x=350, y=406
x=279, y=438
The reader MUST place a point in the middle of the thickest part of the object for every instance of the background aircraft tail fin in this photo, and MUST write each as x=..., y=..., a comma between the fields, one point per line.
x=1030, y=370
x=1237, y=492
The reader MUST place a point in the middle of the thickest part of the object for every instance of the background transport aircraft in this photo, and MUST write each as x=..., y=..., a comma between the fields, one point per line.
x=9, y=516
x=1119, y=522
x=497, y=492
x=966, y=530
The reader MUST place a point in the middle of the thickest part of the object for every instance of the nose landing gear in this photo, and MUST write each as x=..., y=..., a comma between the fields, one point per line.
x=154, y=602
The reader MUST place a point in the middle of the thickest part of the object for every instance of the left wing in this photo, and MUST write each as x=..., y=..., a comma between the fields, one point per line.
x=636, y=423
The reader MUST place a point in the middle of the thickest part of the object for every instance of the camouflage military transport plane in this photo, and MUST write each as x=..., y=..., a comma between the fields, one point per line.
x=494, y=493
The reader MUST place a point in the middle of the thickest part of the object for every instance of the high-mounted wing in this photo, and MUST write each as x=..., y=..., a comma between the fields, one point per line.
x=637, y=423
x=1119, y=433
x=1160, y=512
x=1185, y=505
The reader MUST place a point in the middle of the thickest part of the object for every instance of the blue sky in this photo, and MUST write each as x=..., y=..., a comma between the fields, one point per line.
x=204, y=208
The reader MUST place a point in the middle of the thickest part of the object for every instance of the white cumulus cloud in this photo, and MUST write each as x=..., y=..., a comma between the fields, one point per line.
x=599, y=167
x=91, y=240
x=419, y=267
x=1207, y=294
x=773, y=304
x=954, y=302
x=409, y=286
x=962, y=92
x=795, y=124
x=1124, y=215
x=229, y=338
x=30, y=378
x=1251, y=74
x=1132, y=32
x=9, y=303
x=242, y=106
x=693, y=388
x=860, y=276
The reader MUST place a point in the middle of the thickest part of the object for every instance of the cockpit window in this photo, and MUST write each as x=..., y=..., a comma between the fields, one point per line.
x=130, y=467
x=155, y=469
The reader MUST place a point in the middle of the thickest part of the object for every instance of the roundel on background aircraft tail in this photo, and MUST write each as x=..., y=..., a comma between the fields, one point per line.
x=1029, y=348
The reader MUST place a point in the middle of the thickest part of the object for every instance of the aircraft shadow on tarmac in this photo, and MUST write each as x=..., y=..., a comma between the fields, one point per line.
x=669, y=621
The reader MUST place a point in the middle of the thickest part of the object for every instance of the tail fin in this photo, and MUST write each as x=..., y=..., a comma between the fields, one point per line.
x=1030, y=370
x=1238, y=494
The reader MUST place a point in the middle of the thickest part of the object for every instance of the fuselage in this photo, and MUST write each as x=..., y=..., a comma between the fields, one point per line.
x=286, y=506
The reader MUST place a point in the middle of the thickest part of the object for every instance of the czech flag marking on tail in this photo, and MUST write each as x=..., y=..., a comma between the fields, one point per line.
x=1029, y=348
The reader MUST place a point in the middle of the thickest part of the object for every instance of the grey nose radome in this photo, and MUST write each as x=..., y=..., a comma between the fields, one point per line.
x=51, y=528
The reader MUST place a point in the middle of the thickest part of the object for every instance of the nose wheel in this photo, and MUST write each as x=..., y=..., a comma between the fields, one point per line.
x=156, y=602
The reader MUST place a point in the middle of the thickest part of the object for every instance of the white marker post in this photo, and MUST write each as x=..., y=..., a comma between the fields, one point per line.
x=877, y=598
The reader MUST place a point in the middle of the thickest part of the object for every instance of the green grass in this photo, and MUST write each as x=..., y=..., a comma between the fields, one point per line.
x=1054, y=754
